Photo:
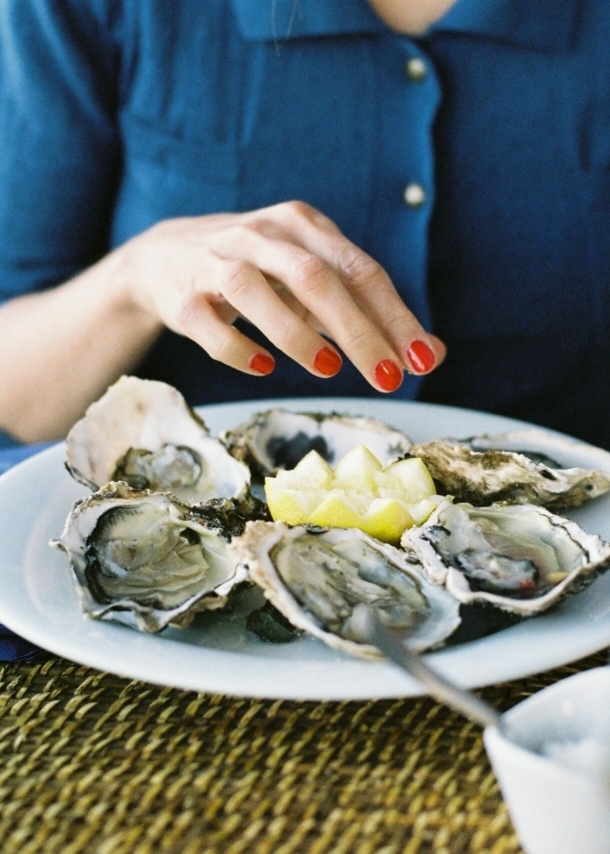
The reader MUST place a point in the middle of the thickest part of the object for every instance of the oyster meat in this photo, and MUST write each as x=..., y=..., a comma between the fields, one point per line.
x=511, y=467
x=318, y=578
x=144, y=433
x=147, y=560
x=278, y=439
x=521, y=558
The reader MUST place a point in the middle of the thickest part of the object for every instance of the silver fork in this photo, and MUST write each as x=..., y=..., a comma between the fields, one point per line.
x=390, y=642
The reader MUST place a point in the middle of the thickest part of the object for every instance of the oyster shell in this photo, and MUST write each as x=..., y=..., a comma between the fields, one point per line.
x=521, y=558
x=513, y=467
x=144, y=433
x=317, y=577
x=146, y=559
x=278, y=439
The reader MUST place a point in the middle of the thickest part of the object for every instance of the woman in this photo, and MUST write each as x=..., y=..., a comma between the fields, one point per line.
x=451, y=166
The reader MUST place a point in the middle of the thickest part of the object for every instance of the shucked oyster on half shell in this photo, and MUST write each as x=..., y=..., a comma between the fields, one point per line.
x=513, y=467
x=147, y=560
x=144, y=433
x=278, y=439
x=318, y=577
x=521, y=558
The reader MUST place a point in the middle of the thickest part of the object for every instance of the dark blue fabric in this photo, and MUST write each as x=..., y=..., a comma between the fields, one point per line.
x=9, y=457
x=12, y=647
x=115, y=114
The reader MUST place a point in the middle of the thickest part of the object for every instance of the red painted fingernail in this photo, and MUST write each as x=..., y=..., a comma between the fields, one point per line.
x=327, y=362
x=262, y=363
x=421, y=356
x=388, y=375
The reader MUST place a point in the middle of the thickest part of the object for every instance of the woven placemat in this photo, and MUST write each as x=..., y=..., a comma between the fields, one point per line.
x=92, y=762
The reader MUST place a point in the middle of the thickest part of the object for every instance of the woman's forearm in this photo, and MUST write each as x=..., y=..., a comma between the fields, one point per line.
x=61, y=348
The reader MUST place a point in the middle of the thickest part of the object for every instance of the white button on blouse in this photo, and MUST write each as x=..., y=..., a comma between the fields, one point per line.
x=415, y=69
x=414, y=195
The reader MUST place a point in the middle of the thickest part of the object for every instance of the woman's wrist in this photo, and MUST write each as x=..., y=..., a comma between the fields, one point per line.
x=122, y=274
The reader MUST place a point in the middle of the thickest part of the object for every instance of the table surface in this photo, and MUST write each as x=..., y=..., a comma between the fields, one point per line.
x=92, y=762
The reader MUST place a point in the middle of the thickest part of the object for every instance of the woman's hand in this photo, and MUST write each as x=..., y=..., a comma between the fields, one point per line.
x=288, y=270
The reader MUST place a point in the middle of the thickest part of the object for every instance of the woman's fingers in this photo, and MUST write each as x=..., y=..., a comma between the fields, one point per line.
x=366, y=281
x=199, y=320
x=369, y=285
x=291, y=272
x=247, y=292
x=323, y=295
x=319, y=294
x=420, y=351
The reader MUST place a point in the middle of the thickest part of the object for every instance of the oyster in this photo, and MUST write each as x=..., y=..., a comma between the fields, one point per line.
x=521, y=558
x=144, y=433
x=318, y=577
x=513, y=467
x=146, y=559
x=278, y=439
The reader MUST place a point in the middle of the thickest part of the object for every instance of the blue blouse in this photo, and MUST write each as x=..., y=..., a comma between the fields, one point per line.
x=473, y=163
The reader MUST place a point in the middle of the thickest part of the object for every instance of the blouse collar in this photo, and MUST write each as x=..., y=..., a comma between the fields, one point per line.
x=545, y=25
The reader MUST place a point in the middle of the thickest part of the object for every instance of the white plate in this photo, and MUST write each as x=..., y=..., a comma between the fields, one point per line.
x=216, y=654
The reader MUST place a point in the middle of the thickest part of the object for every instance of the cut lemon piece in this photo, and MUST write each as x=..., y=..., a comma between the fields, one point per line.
x=412, y=477
x=293, y=506
x=387, y=519
x=312, y=469
x=336, y=511
x=383, y=518
x=358, y=493
x=422, y=509
x=357, y=470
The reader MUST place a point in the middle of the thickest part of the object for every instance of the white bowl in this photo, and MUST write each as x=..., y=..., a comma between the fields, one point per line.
x=555, y=808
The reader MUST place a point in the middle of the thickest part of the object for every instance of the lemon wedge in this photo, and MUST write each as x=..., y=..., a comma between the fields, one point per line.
x=358, y=493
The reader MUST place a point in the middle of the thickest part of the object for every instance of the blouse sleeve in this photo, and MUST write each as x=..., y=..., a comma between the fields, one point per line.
x=59, y=147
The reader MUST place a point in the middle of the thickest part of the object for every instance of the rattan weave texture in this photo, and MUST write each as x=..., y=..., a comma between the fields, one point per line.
x=91, y=762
